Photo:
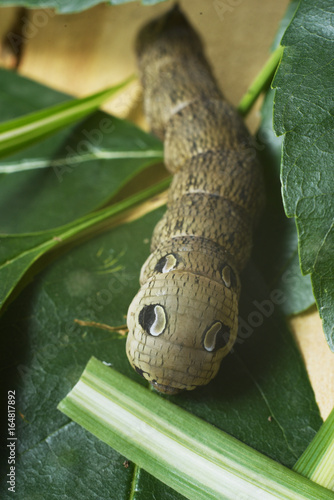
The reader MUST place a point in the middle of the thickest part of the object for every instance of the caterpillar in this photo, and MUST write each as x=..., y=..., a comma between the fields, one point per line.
x=184, y=319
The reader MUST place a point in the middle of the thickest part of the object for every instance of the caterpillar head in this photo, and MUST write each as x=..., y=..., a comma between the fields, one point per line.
x=182, y=324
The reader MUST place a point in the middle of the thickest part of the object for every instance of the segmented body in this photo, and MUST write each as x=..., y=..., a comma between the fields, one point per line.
x=184, y=319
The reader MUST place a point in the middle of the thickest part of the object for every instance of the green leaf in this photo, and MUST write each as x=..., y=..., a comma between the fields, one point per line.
x=83, y=166
x=304, y=114
x=87, y=165
x=69, y=6
x=277, y=242
x=75, y=180
x=18, y=253
x=261, y=396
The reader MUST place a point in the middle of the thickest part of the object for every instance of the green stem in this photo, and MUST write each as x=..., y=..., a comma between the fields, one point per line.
x=21, y=132
x=195, y=458
x=317, y=461
x=261, y=81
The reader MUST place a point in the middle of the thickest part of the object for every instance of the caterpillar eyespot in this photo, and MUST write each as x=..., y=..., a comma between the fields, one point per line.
x=166, y=263
x=228, y=276
x=184, y=319
x=152, y=319
x=216, y=336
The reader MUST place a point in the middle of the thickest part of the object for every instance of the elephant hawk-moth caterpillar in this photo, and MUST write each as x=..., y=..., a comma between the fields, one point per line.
x=184, y=319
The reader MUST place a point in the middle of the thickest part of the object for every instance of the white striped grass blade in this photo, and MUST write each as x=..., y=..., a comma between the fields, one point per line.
x=317, y=461
x=185, y=452
x=25, y=130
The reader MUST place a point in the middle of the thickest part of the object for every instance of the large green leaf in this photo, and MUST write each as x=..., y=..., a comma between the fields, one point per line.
x=304, y=114
x=69, y=6
x=278, y=236
x=82, y=166
x=19, y=253
x=262, y=394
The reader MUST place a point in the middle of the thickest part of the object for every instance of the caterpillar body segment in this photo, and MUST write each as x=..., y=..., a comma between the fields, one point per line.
x=184, y=319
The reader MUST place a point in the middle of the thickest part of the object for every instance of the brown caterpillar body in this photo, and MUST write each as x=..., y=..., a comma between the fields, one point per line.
x=184, y=319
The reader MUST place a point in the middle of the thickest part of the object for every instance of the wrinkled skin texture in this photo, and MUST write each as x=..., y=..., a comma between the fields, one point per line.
x=184, y=319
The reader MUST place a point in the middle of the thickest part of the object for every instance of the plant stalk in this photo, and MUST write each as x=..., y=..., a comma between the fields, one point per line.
x=261, y=82
x=193, y=457
x=317, y=461
x=21, y=132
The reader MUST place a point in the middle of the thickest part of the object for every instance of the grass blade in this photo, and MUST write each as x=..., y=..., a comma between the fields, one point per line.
x=317, y=461
x=190, y=455
x=23, y=131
